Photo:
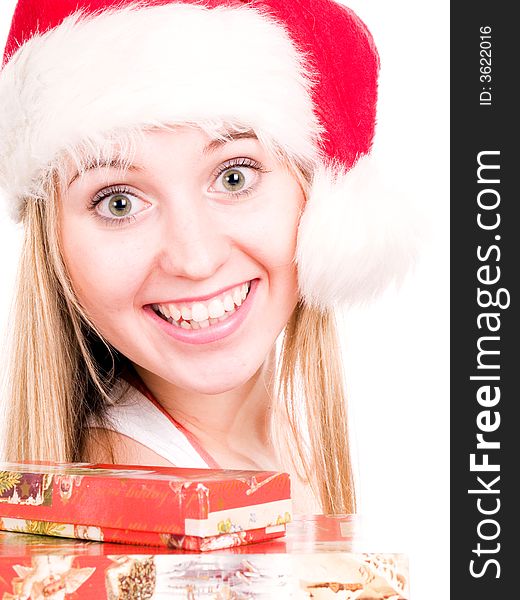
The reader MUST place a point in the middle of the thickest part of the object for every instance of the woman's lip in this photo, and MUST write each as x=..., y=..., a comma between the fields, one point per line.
x=193, y=299
x=212, y=333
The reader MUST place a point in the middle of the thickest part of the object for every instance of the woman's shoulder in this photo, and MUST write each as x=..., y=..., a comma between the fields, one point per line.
x=109, y=446
x=135, y=430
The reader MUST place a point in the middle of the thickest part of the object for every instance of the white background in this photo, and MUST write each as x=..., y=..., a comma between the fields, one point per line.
x=396, y=351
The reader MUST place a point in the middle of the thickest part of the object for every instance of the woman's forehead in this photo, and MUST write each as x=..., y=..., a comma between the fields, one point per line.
x=128, y=150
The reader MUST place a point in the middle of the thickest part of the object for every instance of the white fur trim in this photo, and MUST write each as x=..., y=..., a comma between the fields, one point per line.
x=355, y=236
x=138, y=68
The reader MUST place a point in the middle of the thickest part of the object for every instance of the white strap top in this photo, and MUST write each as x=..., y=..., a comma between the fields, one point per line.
x=137, y=417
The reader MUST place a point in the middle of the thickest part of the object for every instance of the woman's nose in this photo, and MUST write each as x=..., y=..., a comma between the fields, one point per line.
x=194, y=244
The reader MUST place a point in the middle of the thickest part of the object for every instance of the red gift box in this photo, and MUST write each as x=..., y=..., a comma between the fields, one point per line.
x=193, y=509
x=316, y=559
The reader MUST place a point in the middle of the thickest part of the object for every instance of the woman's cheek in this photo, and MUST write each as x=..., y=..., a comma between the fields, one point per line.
x=269, y=235
x=106, y=270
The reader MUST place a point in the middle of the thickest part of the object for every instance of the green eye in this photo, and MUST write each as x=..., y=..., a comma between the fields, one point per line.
x=119, y=205
x=236, y=178
x=233, y=180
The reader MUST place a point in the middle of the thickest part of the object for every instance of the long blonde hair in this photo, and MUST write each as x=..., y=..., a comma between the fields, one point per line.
x=60, y=372
x=57, y=374
x=311, y=369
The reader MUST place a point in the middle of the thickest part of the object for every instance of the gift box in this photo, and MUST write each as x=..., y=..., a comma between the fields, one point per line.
x=192, y=509
x=319, y=558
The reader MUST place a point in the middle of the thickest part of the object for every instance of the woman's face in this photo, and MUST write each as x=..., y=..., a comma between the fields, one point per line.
x=184, y=261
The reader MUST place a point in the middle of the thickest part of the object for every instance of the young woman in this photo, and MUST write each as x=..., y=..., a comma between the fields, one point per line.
x=193, y=185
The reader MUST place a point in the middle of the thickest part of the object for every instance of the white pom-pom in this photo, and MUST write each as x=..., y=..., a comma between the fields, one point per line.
x=355, y=238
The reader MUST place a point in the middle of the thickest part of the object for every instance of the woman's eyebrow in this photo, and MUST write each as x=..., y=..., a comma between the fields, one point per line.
x=113, y=163
x=231, y=137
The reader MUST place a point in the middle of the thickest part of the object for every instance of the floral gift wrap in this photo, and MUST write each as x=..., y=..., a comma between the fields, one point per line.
x=315, y=560
x=192, y=509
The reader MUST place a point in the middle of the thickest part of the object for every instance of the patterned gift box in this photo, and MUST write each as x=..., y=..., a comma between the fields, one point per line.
x=193, y=509
x=318, y=559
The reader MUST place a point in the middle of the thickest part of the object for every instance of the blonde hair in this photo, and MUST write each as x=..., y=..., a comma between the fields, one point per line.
x=311, y=368
x=54, y=381
x=61, y=370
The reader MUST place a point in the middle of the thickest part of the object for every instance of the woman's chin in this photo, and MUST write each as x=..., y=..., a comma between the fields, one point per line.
x=212, y=386
x=203, y=380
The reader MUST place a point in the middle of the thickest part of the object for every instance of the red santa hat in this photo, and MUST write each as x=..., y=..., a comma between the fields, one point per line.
x=302, y=75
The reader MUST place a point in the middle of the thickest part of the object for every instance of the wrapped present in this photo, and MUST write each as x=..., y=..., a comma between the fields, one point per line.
x=192, y=509
x=316, y=559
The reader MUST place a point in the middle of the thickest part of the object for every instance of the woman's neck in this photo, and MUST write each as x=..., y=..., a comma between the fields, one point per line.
x=233, y=427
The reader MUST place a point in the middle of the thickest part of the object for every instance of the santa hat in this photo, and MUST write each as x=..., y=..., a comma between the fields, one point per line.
x=301, y=74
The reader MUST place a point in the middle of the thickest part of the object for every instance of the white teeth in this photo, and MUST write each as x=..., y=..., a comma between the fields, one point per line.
x=199, y=312
x=175, y=313
x=237, y=297
x=216, y=309
x=203, y=314
x=186, y=313
x=228, y=303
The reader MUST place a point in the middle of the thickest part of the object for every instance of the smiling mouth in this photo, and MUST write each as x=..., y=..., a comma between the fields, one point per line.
x=202, y=314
